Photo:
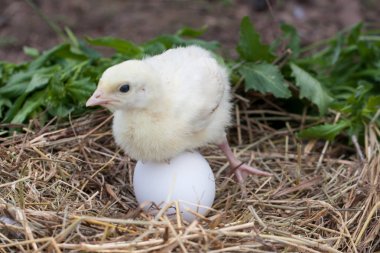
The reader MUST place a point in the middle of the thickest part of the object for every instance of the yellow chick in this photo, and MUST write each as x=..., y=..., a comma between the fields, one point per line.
x=166, y=104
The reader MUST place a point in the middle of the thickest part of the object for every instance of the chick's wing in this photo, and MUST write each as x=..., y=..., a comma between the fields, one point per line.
x=201, y=88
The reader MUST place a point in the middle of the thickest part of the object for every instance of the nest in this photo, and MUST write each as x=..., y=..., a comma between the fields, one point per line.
x=66, y=187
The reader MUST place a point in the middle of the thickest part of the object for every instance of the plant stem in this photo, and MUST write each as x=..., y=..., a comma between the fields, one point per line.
x=48, y=21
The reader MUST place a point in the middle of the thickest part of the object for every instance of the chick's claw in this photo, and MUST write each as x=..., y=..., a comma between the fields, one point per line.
x=241, y=170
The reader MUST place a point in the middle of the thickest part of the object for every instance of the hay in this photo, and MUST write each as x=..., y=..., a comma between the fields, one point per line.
x=67, y=188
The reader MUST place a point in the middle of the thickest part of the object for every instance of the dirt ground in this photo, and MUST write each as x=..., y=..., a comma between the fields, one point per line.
x=141, y=20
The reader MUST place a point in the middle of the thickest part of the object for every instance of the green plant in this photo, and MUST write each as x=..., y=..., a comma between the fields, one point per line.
x=349, y=67
x=60, y=80
x=341, y=74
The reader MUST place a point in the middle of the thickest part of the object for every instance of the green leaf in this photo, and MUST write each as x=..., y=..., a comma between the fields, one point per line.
x=154, y=47
x=338, y=44
x=371, y=106
x=73, y=39
x=209, y=45
x=14, y=109
x=311, y=88
x=326, y=131
x=294, y=41
x=250, y=47
x=171, y=41
x=4, y=102
x=22, y=76
x=191, y=32
x=88, y=51
x=355, y=33
x=30, y=51
x=80, y=90
x=44, y=57
x=265, y=78
x=16, y=84
x=122, y=46
x=168, y=41
x=41, y=78
x=60, y=53
x=60, y=109
x=29, y=106
x=12, y=91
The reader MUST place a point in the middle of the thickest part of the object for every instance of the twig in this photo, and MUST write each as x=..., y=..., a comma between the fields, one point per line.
x=354, y=139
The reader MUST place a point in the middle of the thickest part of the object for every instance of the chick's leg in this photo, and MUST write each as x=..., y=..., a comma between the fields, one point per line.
x=240, y=169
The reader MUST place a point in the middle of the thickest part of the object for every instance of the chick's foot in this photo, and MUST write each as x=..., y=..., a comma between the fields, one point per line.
x=240, y=169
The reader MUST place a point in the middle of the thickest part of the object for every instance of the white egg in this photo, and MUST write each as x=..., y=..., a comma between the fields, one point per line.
x=186, y=178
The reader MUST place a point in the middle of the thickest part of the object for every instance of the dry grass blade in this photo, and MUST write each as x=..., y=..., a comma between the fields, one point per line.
x=73, y=193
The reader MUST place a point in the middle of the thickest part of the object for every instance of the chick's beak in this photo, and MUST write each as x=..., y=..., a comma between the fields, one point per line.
x=98, y=98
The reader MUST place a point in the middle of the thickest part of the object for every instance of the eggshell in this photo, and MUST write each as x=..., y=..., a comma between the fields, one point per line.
x=186, y=178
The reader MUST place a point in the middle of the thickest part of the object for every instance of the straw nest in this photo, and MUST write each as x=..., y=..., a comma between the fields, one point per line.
x=66, y=187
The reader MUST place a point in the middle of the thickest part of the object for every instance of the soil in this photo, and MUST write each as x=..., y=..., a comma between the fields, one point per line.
x=139, y=21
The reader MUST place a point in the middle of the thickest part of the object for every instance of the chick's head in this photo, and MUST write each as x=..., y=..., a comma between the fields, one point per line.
x=129, y=85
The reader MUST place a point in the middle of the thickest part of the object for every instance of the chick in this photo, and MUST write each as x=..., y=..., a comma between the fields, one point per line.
x=166, y=104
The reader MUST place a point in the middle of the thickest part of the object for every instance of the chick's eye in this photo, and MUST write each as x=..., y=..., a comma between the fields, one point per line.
x=124, y=88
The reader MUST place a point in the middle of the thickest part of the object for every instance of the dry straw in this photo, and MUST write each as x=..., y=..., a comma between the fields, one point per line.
x=67, y=188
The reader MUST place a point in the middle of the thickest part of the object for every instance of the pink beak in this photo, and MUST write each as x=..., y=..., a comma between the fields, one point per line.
x=97, y=99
